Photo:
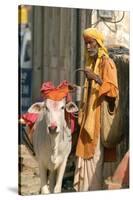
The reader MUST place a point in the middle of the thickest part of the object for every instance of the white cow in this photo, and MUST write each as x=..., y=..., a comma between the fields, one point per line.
x=52, y=142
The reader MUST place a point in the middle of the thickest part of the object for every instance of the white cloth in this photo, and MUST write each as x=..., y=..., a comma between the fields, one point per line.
x=88, y=172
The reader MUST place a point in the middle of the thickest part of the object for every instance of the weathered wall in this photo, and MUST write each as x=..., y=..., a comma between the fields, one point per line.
x=115, y=33
x=57, y=44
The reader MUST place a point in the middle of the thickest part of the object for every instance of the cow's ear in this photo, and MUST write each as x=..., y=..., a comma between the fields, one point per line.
x=71, y=107
x=36, y=107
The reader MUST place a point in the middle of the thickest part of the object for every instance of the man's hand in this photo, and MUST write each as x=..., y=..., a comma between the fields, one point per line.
x=90, y=75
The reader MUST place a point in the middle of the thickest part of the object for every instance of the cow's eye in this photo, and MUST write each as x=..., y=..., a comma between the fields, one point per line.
x=63, y=107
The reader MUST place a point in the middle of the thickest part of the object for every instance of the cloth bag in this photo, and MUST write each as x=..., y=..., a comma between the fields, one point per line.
x=111, y=124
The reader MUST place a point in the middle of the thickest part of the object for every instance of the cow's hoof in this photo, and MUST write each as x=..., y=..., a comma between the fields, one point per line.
x=45, y=190
x=57, y=190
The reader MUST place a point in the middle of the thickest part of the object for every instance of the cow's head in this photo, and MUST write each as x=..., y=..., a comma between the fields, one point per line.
x=54, y=113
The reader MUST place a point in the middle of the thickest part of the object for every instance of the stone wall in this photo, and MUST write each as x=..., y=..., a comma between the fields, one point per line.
x=115, y=33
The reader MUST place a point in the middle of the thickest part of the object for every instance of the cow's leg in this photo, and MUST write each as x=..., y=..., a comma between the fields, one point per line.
x=59, y=178
x=52, y=181
x=43, y=176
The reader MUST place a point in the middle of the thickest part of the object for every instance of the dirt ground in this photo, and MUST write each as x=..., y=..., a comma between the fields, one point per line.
x=29, y=181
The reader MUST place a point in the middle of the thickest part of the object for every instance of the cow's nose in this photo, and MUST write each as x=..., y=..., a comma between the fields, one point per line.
x=52, y=129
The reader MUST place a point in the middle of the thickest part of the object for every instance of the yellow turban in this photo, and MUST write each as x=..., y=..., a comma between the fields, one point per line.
x=97, y=35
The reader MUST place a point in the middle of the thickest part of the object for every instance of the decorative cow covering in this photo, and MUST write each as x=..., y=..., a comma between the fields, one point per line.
x=49, y=91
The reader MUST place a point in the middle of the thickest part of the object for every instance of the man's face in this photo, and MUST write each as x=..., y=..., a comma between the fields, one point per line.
x=92, y=46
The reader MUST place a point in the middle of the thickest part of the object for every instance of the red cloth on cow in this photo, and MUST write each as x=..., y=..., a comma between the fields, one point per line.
x=72, y=118
x=49, y=91
x=30, y=118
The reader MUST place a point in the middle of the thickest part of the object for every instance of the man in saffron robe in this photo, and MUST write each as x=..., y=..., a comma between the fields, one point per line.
x=90, y=151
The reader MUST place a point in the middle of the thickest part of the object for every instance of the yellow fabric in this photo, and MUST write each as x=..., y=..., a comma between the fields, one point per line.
x=23, y=15
x=89, y=115
x=94, y=33
x=98, y=36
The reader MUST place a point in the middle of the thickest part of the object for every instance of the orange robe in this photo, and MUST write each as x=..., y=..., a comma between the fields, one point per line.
x=87, y=143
